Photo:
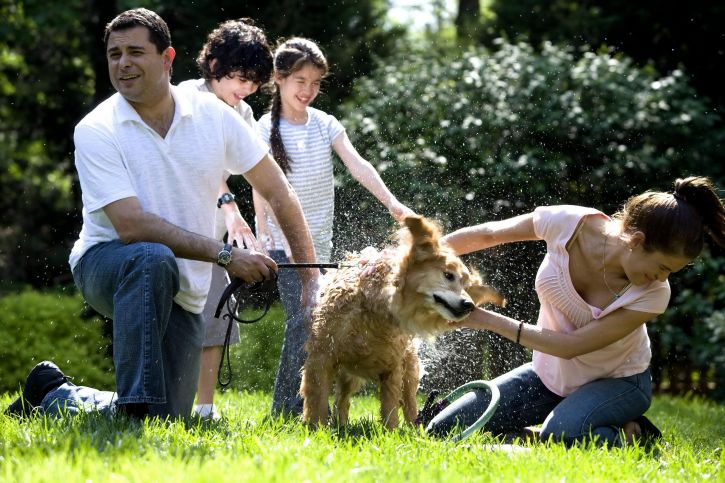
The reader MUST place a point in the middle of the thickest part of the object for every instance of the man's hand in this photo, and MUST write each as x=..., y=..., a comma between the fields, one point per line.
x=250, y=265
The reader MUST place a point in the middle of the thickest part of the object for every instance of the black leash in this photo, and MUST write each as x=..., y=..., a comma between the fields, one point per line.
x=238, y=294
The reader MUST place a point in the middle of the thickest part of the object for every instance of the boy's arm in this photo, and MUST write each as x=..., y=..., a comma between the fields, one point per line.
x=238, y=229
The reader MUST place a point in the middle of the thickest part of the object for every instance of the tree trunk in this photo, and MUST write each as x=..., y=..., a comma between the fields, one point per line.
x=467, y=20
x=103, y=12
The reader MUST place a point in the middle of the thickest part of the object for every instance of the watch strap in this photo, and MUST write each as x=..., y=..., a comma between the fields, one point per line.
x=224, y=199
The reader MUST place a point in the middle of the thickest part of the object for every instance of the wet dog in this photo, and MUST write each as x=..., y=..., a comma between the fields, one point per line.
x=365, y=327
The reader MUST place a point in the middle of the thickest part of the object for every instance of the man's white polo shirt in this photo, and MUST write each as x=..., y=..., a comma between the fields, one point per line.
x=118, y=156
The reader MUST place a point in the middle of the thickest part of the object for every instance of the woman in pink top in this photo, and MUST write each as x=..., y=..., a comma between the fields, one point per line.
x=601, y=281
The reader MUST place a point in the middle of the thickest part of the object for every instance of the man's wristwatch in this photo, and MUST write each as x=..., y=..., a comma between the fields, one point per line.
x=224, y=257
x=224, y=199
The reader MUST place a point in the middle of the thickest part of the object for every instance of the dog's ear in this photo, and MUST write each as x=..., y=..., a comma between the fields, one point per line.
x=481, y=293
x=424, y=237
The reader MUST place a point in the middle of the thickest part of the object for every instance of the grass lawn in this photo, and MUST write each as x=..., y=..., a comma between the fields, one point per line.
x=247, y=446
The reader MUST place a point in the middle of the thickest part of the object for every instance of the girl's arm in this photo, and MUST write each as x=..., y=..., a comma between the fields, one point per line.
x=492, y=233
x=366, y=175
x=237, y=228
x=595, y=335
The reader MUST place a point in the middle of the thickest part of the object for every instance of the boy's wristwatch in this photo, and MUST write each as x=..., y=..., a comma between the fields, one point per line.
x=224, y=257
x=224, y=199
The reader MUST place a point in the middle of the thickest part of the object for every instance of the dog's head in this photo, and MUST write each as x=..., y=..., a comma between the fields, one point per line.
x=435, y=285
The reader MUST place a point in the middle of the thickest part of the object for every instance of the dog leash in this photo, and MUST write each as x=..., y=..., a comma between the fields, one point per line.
x=432, y=407
x=238, y=293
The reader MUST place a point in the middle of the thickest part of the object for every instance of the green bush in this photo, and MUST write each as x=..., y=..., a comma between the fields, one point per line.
x=48, y=325
x=468, y=137
x=688, y=339
x=255, y=359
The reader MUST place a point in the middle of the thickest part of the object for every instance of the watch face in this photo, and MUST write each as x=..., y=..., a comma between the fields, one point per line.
x=224, y=257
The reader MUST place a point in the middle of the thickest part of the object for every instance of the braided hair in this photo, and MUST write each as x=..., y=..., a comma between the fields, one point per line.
x=289, y=57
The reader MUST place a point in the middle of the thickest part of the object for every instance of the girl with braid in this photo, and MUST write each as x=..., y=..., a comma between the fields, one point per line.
x=302, y=139
x=602, y=279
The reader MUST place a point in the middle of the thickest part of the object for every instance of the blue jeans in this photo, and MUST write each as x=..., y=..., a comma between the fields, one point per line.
x=69, y=399
x=286, y=397
x=156, y=343
x=597, y=410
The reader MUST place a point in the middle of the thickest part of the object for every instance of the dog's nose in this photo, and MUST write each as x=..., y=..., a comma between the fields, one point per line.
x=467, y=306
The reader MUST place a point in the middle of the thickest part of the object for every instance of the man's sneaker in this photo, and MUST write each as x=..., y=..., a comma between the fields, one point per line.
x=42, y=379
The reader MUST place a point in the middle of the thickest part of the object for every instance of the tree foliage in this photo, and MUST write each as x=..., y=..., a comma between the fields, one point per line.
x=668, y=34
x=46, y=84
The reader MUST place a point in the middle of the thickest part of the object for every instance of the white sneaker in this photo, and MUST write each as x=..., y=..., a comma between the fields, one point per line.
x=206, y=411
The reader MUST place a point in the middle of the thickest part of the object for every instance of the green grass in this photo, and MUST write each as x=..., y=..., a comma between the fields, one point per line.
x=248, y=446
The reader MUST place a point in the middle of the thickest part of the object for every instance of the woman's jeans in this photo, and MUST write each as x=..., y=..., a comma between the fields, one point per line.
x=156, y=343
x=286, y=398
x=596, y=411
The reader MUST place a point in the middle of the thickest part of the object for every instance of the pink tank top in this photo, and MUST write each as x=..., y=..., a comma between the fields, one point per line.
x=563, y=309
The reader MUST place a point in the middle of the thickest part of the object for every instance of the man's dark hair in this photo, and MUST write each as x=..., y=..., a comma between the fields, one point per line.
x=237, y=46
x=159, y=34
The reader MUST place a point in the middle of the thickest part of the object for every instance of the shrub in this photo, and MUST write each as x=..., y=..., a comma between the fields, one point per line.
x=255, y=359
x=687, y=340
x=48, y=325
x=51, y=325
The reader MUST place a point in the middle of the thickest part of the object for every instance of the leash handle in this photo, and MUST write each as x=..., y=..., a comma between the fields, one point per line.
x=234, y=296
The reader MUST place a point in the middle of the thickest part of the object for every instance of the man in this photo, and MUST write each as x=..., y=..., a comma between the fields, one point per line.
x=149, y=160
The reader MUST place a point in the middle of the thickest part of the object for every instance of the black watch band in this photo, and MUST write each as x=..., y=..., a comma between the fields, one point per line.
x=224, y=199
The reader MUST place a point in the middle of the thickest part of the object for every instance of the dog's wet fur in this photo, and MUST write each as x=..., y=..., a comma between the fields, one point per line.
x=365, y=327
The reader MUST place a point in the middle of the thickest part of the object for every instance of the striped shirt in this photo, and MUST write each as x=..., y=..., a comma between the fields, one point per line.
x=309, y=147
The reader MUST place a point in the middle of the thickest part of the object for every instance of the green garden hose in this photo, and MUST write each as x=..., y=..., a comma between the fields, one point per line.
x=487, y=414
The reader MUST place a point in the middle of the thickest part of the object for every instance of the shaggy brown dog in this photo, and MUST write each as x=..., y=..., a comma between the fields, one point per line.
x=364, y=327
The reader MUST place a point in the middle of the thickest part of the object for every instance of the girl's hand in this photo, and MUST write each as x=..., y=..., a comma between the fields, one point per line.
x=369, y=258
x=240, y=232
x=399, y=211
x=475, y=320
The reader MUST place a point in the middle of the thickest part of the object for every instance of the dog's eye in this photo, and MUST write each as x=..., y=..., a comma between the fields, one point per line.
x=449, y=276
